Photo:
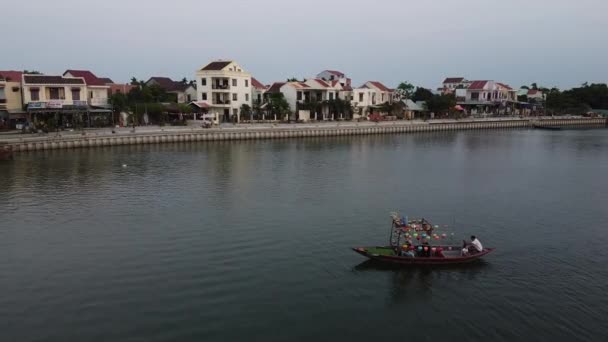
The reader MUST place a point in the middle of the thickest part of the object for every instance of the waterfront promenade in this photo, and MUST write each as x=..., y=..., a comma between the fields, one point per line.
x=193, y=132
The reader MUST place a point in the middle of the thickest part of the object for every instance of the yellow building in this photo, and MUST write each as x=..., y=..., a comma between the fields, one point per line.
x=11, y=102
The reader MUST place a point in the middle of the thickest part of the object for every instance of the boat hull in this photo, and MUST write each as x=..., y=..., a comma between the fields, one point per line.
x=6, y=154
x=402, y=260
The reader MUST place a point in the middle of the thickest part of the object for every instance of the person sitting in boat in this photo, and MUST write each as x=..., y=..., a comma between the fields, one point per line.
x=439, y=253
x=472, y=248
x=407, y=249
x=426, y=248
x=476, y=244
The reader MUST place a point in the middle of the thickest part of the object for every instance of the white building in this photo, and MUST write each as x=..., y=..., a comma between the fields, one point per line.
x=313, y=91
x=97, y=89
x=339, y=81
x=225, y=86
x=257, y=91
x=535, y=94
x=485, y=97
x=450, y=85
x=369, y=95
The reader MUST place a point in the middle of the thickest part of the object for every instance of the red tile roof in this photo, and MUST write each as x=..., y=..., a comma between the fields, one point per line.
x=201, y=104
x=379, y=85
x=347, y=87
x=216, y=65
x=257, y=84
x=322, y=83
x=478, y=85
x=89, y=77
x=453, y=80
x=276, y=87
x=106, y=80
x=45, y=79
x=504, y=85
x=334, y=83
x=11, y=75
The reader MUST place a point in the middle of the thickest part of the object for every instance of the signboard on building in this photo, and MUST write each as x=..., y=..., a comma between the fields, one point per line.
x=54, y=104
x=36, y=105
x=80, y=103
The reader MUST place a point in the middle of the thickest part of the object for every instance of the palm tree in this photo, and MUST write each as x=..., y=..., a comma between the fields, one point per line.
x=246, y=110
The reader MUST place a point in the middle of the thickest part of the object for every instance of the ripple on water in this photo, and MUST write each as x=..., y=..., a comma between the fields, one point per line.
x=250, y=240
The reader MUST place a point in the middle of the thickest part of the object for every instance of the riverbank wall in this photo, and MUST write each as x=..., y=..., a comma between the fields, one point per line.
x=24, y=143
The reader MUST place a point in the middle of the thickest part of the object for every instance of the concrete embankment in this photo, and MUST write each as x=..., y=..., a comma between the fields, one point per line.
x=21, y=143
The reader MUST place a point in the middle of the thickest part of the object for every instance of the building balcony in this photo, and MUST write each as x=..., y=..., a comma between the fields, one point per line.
x=220, y=87
x=221, y=102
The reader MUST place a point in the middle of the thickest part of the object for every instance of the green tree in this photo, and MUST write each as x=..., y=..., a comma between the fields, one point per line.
x=441, y=104
x=32, y=72
x=293, y=79
x=134, y=81
x=422, y=94
x=119, y=102
x=184, y=108
x=405, y=89
x=257, y=109
x=246, y=111
x=278, y=105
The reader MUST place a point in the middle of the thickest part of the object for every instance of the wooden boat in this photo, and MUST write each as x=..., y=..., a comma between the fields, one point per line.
x=6, y=153
x=451, y=255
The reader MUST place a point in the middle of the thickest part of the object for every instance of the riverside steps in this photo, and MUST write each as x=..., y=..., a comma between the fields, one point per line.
x=158, y=135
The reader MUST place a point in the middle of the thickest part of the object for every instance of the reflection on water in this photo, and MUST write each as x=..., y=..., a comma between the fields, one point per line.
x=226, y=241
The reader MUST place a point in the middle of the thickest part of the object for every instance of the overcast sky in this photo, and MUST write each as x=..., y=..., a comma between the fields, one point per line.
x=553, y=42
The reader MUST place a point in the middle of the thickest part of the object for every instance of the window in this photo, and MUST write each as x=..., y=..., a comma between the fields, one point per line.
x=234, y=82
x=246, y=83
x=203, y=81
x=35, y=94
x=2, y=96
x=360, y=97
x=331, y=96
x=90, y=94
x=235, y=112
x=75, y=94
x=234, y=97
x=247, y=97
x=204, y=96
x=474, y=96
x=54, y=94
x=299, y=96
x=189, y=98
x=260, y=98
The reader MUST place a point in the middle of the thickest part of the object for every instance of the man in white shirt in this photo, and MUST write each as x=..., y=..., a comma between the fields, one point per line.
x=476, y=244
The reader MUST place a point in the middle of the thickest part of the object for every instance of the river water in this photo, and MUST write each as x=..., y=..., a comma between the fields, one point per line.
x=249, y=241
